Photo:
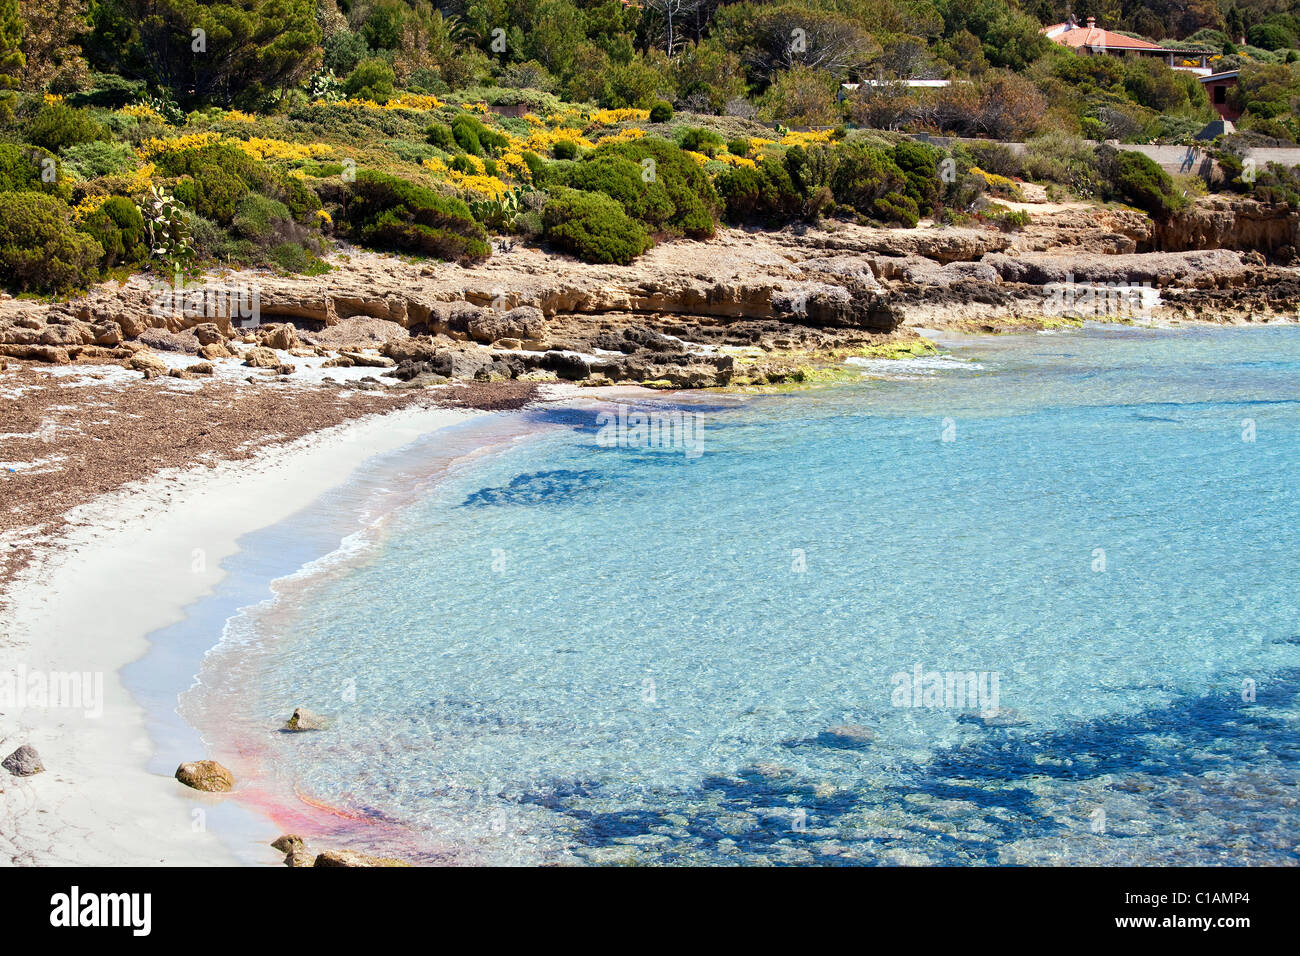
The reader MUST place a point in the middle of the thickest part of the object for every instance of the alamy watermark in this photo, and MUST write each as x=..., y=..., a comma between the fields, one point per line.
x=1088, y=299
x=68, y=690
x=239, y=302
x=674, y=430
x=951, y=690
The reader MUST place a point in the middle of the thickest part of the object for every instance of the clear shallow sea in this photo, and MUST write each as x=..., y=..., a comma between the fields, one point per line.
x=563, y=652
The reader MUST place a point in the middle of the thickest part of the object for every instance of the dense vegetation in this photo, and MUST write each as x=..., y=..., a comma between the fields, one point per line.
x=169, y=134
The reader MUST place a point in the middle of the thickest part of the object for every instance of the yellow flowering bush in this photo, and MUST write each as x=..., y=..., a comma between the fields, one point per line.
x=239, y=116
x=140, y=179
x=622, y=136
x=142, y=111
x=698, y=157
x=88, y=205
x=261, y=148
x=612, y=117
x=154, y=145
x=795, y=138
x=731, y=160
x=53, y=99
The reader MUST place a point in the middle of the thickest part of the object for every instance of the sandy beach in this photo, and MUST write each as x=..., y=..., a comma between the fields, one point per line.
x=129, y=564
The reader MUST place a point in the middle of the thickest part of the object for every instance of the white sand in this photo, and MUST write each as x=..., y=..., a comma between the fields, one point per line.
x=123, y=571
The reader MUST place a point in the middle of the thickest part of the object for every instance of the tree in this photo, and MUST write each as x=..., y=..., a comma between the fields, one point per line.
x=12, y=60
x=50, y=44
x=672, y=13
x=222, y=50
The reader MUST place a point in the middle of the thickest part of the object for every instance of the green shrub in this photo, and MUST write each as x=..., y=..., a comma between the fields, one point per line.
x=764, y=195
x=373, y=79
x=390, y=213
x=564, y=149
x=1139, y=181
x=536, y=167
x=661, y=112
x=621, y=179
x=213, y=194
x=57, y=126
x=119, y=228
x=700, y=140
x=294, y=257
x=39, y=249
x=473, y=137
x=920, y=165
x=301, y=199
x=696, y=205
x=593, y=227
x=260, y=218
x=439, y=134
x=738, y=147
x=98, y=158
x=25, y=168
x=868, y=180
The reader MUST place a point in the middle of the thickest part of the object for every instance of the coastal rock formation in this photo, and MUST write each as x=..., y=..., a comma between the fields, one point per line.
x=205, y=775
x=294, y=849
x=1232, y=222
x=23, y=762
x=350, y=858
x=746, y=307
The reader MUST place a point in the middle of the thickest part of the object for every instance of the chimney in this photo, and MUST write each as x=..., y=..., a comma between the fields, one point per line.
x=1092, y=23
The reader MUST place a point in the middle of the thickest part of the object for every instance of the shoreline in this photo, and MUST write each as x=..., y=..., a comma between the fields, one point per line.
x=136, y=559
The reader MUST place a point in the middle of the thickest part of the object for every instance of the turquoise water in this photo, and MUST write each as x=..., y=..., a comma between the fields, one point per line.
x=569, y=652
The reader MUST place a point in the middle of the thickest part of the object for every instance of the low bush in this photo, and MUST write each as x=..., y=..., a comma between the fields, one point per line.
x=439, y=134
x=920, y=165
x=386, y=212
x=564, y=149
x=1139, y=181
x=696, y=205
x=119, y=229
x=869, y=181
x=475, y=138
x=622, y=180
x=764, y=195
x=661, y=112
x=592, y=227
x=40, y=250
x=373, y=79
x=700, y=140
x=98, y=158
x=24, y=168
x=57, y=126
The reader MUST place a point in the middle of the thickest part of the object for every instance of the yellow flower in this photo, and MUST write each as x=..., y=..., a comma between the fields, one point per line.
x=611, y=117
x=239, y=116
x=475, y=107
x=622, y=136
x=141, y=111
x=262, y=148
x=154, y=145
x=731, y=160
x=698, y=157
x=794, y=138
x=88, y=205
x=324, y=217
x=140, y=179
x=52, y=98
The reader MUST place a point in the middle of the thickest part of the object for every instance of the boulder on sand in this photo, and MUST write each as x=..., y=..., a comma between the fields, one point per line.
x=23, y=762
x=205, y=775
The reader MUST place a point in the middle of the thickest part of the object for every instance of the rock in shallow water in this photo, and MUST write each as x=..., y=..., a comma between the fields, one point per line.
x=205, y=775
x=350, y=858
x=304, y=719
x=23, y=762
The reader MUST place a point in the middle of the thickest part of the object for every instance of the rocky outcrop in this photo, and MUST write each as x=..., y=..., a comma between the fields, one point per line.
x=1232, y=222
x=350, y=858
x=207, y=775
x=23, y=762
